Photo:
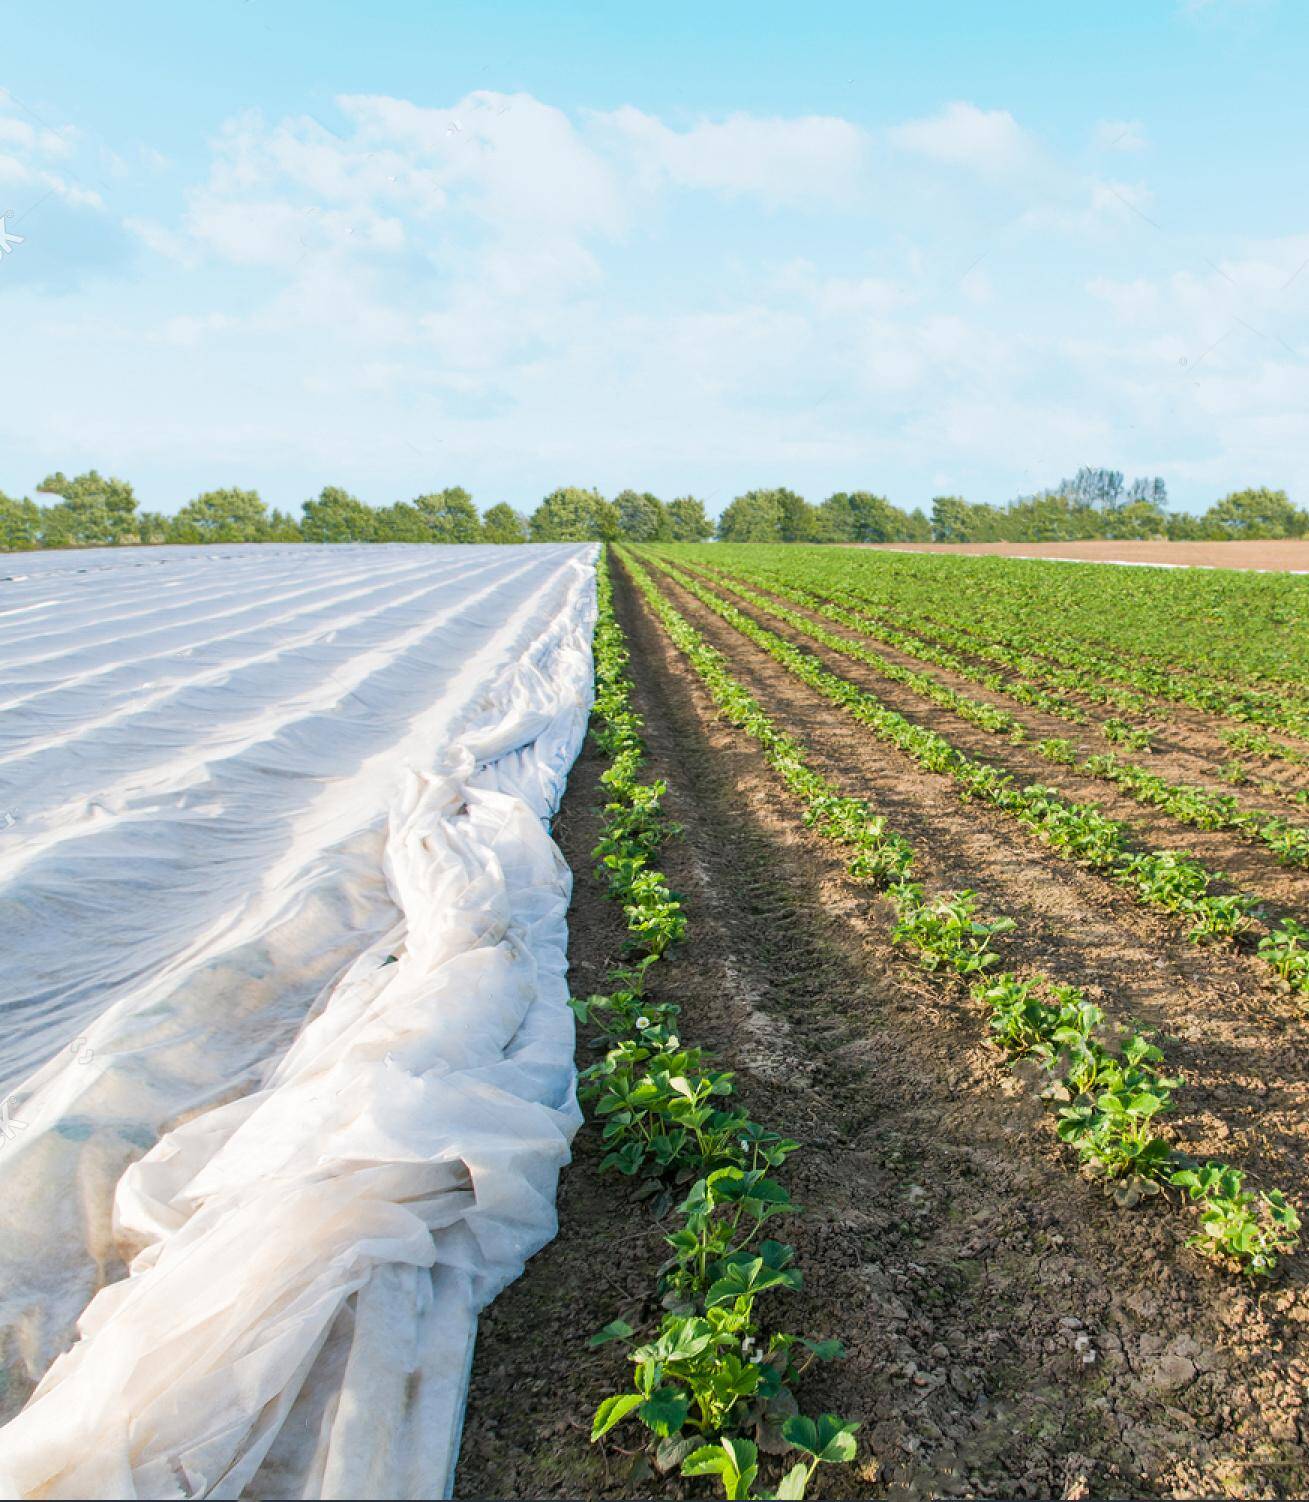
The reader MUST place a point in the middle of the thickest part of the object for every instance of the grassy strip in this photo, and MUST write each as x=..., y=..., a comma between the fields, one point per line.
x=711, y=1373
x=1186, y=803
x=1107, y=1094
x=1163, y=879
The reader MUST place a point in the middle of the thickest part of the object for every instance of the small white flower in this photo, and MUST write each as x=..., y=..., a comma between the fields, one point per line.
x=673, y=1040
x=643, y=1022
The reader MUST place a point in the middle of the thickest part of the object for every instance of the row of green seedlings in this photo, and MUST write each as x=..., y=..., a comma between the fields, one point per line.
x=1184, y=802
x=1136, y=734
x=852, y=610
x=1259, y=743
x=1276, y=708
x=1163, y=879
x=712, y=1373
x=929, y=631
x=1072, y=664
x=1107, y=1085
x=914, y=645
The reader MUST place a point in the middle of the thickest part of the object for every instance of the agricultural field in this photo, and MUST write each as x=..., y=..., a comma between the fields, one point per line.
x=940, y=951
x=870, y=1060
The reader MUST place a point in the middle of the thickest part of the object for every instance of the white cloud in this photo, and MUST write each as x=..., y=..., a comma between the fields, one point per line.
x=962, y=135
x=812, y=159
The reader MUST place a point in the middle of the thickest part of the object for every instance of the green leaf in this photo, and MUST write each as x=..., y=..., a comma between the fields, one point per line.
x=735, y=1460
x=665, y=1410
x=830, y=1439
x=826, y=1350
x=792, y=1485
x=613, y=1411
x=617, y=1329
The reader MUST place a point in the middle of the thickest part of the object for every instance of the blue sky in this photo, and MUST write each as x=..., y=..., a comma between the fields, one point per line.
x=913, y=248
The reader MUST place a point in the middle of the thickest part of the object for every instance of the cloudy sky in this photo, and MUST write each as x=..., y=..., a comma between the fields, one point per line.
x=685, y=247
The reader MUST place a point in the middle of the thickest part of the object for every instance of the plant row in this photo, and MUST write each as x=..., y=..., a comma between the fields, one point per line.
x=715, y=1371
x=966, y=655
x=1018, y=615
x=1162, y=879
x=1030, y=620
x=1107, y=1086
x=1184, y=802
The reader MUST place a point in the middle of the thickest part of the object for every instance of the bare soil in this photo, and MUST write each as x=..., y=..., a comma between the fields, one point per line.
x=1279, y=557
x=1010, y=1332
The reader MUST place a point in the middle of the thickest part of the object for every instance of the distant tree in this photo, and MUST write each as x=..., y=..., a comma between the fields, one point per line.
x=641, y=517
x=1256, y=513
x=1098, y=489
x=836, y=519
x=917, y=526
x=223, y=516
x=337, y=516
x=400, y=522
x=755, y=516
x=503, y=524
x=688, y=521
x=574, y=515
x=799, y=518
x=282, y=527
x=451, y=515
x=20, y=525
x=93, y=511
x=950, y=520
x=152, y=528
x=875, y=519
x=1141, y=518
x=1183, y=527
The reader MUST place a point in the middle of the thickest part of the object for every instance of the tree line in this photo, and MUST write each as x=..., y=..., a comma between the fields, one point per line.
x=91, y=510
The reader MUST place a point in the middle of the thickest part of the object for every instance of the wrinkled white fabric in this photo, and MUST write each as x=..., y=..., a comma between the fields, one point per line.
x=289, y=929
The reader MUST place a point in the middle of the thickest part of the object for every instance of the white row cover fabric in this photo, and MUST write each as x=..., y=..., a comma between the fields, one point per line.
x=285, y=923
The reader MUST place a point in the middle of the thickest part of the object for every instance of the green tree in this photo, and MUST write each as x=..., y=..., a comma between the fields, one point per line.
x=450, y=515
x=337, y=516
x=755, y=516
x=574, y=515
x=917, y=527
x=687, y=520
x=503, y=524
x=93, y=511
x=836, y=520
x=642, y=517
x=20, y=525
x=282, y=527
x=153, y=528
x=950, y=519
x=1138, y=519
x=861, y=516
x=401, y=522
x=799, y=518
x=1256, y=513
x=224, y=516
